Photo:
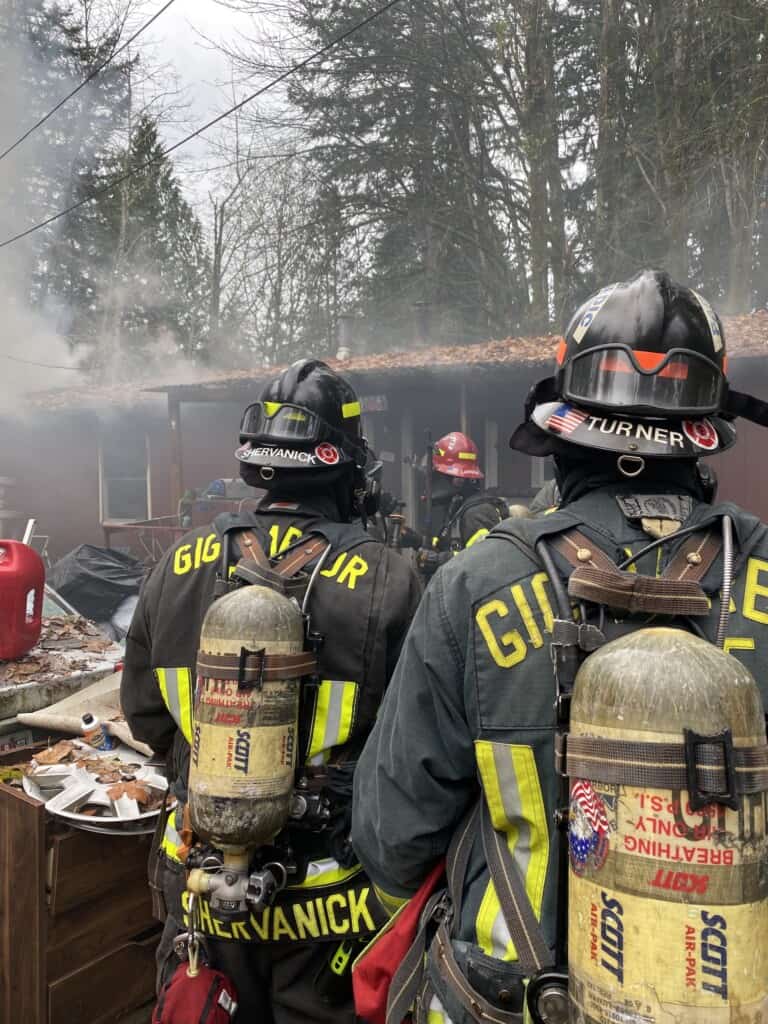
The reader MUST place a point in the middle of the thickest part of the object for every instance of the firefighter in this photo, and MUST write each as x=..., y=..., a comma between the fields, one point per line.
x=638, y=395
x=458, y=513
x=302, y=442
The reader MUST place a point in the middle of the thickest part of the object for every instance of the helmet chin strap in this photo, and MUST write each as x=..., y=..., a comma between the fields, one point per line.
x=747, y=407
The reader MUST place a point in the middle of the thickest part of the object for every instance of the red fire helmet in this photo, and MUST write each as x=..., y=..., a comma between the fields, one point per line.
x=456, y=455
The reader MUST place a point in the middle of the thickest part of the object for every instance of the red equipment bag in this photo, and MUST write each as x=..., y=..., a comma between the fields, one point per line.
x=374, y=969
x=209, y=997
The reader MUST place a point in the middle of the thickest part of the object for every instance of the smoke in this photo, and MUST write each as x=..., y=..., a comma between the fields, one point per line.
x=29, y=334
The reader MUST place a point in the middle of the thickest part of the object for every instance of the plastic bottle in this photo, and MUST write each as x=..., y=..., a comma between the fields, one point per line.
x=94, y=734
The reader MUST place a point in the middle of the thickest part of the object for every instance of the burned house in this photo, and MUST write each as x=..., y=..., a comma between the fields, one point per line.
x=88, y=460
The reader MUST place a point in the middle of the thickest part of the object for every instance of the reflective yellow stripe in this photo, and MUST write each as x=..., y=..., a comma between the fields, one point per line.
x=333, y=718
x=478, y=535
x=350, y=409
x=270, y=408
x=468, y=456
x=436, y=1013
x=326, y=872
x=176, y=690
x=391, y=904
x=171, y=841
x=513, y=792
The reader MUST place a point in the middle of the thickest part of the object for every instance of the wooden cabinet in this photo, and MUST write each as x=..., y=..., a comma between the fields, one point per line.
x=77, y=936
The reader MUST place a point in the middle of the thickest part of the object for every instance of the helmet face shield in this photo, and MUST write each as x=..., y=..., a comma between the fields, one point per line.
x=677, y=382
x=275, y=421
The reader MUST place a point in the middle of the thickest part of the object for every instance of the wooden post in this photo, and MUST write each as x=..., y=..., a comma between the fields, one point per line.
x=174, y=434
x=491, y=453
x=407, y=453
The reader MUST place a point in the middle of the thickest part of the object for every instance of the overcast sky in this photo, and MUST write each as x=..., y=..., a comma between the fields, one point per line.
x=180, y=38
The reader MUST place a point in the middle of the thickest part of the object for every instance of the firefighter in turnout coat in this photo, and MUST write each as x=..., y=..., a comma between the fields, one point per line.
x=303, y=443
x=638, y=395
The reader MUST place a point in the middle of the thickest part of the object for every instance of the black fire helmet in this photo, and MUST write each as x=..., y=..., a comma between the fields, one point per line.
x=308, y=417
x=641, y=371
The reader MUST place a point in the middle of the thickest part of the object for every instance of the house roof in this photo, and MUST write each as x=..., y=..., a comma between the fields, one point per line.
x=747, y=337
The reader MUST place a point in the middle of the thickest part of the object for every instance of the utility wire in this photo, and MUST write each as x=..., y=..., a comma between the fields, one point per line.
x=204, y=128
x=96, y=71
x=45, y=366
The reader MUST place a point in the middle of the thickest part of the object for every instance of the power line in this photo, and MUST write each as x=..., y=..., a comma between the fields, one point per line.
x=45, y=366
x=204, y=128
x=96, y=71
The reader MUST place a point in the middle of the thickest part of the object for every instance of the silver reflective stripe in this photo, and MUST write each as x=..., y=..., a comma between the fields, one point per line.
x=172, y=694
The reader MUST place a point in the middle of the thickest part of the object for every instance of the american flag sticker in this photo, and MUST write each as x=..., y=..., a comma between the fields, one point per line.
x=565, y=419
x=588, y=828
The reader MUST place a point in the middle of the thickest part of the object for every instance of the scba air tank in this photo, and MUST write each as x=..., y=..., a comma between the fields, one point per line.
x=245, y=733
x=668, y=915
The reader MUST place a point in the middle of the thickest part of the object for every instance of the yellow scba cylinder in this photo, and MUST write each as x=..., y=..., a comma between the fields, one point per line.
x=244, y=744
x=668, y=910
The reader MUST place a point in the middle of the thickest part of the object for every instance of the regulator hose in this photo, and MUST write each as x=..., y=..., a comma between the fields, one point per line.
x=725, y=590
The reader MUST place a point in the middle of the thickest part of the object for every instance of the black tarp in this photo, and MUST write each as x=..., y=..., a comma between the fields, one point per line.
x=96, y=580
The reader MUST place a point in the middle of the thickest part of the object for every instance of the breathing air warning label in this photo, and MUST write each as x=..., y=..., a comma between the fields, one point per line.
x=668, y=909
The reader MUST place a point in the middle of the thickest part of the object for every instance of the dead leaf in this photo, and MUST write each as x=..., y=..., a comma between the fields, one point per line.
x=133, y=790
x=55, y=754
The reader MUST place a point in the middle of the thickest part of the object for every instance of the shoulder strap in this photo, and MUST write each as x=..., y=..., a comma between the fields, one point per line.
x=532, y=950
x=678, y=592
x=281, y=574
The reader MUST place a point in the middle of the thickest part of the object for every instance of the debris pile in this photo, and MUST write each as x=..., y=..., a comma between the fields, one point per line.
x=67, y=645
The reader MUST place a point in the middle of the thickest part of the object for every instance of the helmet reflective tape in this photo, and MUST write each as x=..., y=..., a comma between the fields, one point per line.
x=714, y=325
x=350, y=409
x=678, y=382
x=470, y=456
x=589, y=315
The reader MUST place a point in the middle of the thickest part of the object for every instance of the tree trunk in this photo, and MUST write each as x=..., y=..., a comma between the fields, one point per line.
x=609, y=157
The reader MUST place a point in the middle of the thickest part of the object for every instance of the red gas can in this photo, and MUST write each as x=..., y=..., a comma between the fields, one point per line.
x=22, y=584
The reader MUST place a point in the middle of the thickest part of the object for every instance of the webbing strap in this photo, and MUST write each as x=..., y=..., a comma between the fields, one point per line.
x=298, y=557
x=457, y=858
x=694, y=557
x=664, y=765
x=677, y=592
x=406, y=981
x=524, y=929
x=470, y=999
x=255, y=567
x=256, y=666
x=634, y=593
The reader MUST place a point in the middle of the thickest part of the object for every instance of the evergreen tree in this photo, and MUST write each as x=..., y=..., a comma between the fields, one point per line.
x=137, y=274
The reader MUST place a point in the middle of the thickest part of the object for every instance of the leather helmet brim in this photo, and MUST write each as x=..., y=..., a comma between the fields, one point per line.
x=553, y=423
